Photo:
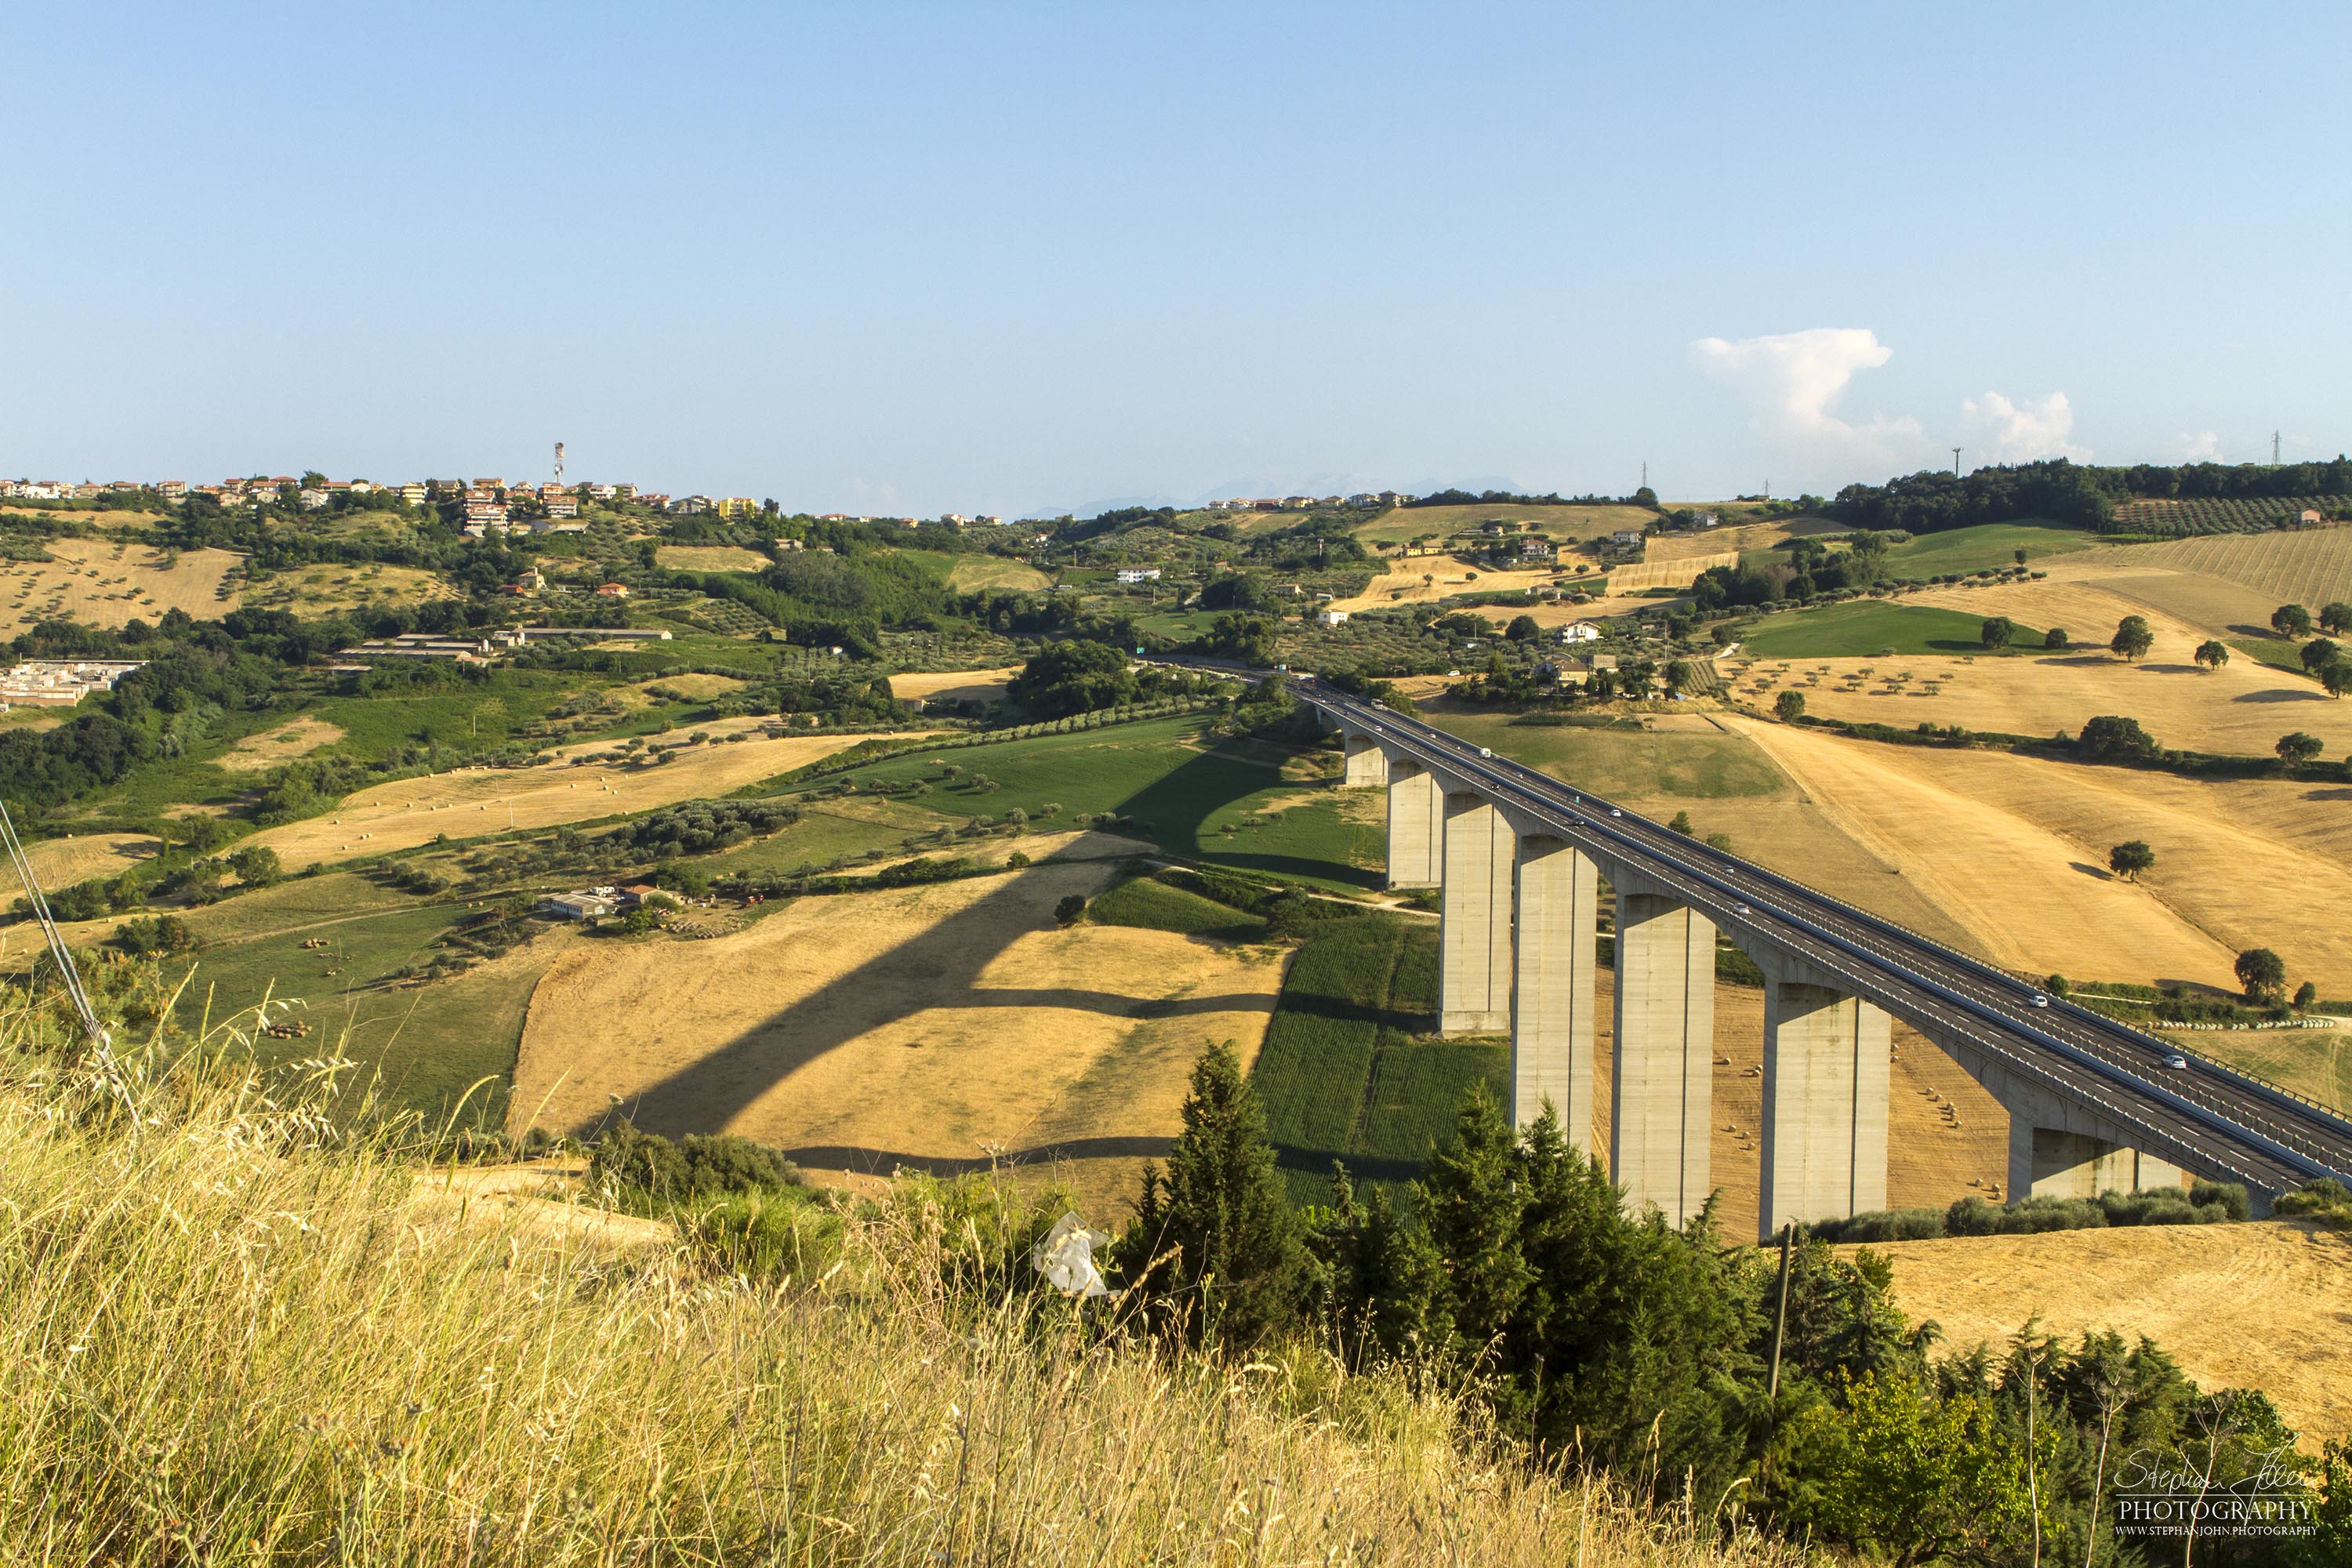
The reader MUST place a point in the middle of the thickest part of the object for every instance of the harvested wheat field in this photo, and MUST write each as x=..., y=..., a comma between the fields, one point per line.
x=2310, y=567
x=1946, y=1138
x=299, y=739
x=2240, y=709
x=940, y=1027
x=1558, y=523
x=62, y=862
x=1734, y=538
x=317, y=590
x=1668, y=572
x=2225, y=849
x=953, y=685
x=567, y=787
x=2265, y=1305
x=972, y=573
x=2033, y=897
x=693, y=686
x=1404, y=584
x=110, y=583
x=710, y=558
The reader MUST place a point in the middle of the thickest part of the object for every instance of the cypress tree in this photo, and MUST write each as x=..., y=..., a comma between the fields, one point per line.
x=1230, y=1249
x=1471, y=1204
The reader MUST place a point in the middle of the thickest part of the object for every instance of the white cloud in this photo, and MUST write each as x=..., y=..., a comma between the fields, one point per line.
x=2023, y=432
x=1794, y=380
x=2199, y=447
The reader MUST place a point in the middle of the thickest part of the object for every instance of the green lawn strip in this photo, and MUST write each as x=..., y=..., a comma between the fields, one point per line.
x=1870, y=628
x=1181, y=788
x=1630, y=763
x=1983, y=545
x=1152, y=905
x=2317, y=1063
x=1349, y=1071
x=2279, y=653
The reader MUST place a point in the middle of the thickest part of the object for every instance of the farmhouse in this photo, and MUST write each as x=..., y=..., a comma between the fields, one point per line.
x=1138, y=574
x=58, y=683
x=1332, y=617
x=583, y=905
x=1578, y=631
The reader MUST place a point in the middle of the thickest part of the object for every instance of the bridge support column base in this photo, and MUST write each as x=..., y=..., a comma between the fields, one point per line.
x=1366, y=766
x=2051, y=1162
x=1416, y=826
x=1554, y=989
x=1825, y=1087
x=1664, y=1054
x=1473, y=973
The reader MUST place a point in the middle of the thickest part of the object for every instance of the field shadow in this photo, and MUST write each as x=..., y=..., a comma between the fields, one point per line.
x=2282, y=694
x=942, y=966
x=883, y=1162
x=2085, y=867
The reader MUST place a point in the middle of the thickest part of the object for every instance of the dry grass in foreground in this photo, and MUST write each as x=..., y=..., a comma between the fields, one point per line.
x=227, y=1338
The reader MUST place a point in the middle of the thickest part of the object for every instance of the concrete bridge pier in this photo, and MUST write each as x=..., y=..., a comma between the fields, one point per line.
x=1555, y=918
x=1473, y=929
x=1826, y=1081
x=1366, y=764
x=1663, y=1052
x=2050, y=1159
x=1416, y=825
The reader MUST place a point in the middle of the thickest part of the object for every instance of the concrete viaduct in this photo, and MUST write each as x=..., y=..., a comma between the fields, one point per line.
x=2093, y=1105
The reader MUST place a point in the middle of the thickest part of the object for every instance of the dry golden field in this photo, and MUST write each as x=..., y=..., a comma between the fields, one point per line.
x=566, y=788
x=942, y=1026
x=1734, y=538
x=62, y=862
x=1669, y=572
x=709, y=558
x=970, y=685
x=2265, y=1305
x=971, y=574
x=104, y=583
x=299, y=739
x=2240, y=709
x=1560, y=523
x=1982, y=835
x=320, y=589
x=1425, y=579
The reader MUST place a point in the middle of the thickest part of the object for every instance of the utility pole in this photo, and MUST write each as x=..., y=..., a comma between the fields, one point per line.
x=1956, y=462
x=1780, y=1321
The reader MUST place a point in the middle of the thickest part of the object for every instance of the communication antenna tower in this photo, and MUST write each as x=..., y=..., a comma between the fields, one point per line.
x=1956, y=462
x=558, y=462
x=2274, y=436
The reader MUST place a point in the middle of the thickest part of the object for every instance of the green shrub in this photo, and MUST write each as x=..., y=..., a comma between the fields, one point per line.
x=1151, y=904
x=637, y=1163
x=766, y=1232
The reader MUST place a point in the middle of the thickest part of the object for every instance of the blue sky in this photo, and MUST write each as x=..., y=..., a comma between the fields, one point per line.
x=898, y=258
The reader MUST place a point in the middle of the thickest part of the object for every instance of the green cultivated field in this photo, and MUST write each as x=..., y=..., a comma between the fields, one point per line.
x=1624, y=763
x=2311, y=1062
x=1348, y=1071
x=1184, y=789
x=1155, y=906
x=1864, y=628
x=1986, y=544
x=429, y=1043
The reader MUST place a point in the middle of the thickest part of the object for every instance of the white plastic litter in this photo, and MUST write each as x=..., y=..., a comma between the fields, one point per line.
x=1066, y=1259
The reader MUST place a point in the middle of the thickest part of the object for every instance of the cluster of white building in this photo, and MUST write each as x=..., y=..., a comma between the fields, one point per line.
x=59, y=682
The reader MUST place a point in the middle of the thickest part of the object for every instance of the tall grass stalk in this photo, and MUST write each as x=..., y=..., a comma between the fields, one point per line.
x=232, y=1331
